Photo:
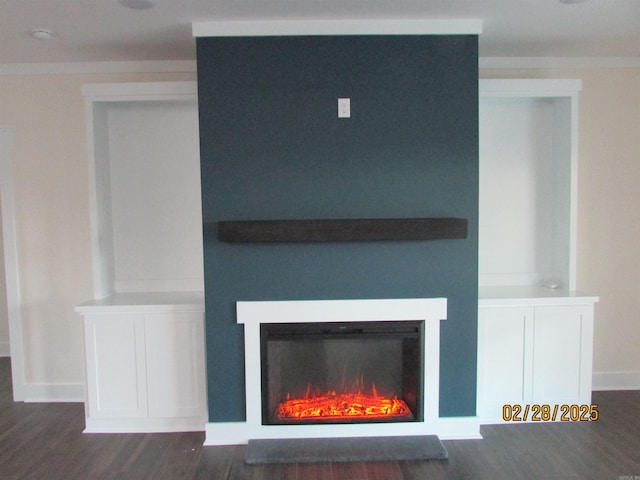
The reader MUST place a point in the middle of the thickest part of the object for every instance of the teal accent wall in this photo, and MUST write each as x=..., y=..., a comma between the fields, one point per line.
x=272, y=147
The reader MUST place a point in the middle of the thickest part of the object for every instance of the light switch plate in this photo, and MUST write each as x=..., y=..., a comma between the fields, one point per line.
x=344, y=108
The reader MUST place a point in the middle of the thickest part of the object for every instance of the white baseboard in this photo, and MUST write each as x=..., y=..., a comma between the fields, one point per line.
x=239, y=433
x=145, y=425
x=5, y=350
x=616, y=381
x=459, y=428
x=53, y=392
x=227, y=433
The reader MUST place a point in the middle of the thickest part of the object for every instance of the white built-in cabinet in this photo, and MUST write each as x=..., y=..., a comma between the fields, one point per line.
x=144, y=328
x=145, y=363
x=533, y=349
x=535, y=332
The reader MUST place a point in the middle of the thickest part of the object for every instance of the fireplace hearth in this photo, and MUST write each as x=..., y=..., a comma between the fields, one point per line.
x=342, y=372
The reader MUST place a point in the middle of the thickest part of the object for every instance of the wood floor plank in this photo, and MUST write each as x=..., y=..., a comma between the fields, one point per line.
x=418, y=470
x=349, y=471
x=45, y=441
x=281, y=471
x=384, y=471
x=227, y=463
x=314, y=471
x=215, y=463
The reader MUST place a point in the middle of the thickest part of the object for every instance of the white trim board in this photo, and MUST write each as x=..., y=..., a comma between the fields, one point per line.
x=537, y=87
x=139, y=91
x=54, y=392
x=263, y=28
x=447, y=428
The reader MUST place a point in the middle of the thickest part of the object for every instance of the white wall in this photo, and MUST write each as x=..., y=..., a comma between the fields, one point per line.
x=608, y=261
x=609, y=219
x=51, y=193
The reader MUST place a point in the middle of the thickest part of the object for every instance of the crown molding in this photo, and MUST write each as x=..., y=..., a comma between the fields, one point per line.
x=147, y=66
x=189, y=66
x=337, y=27
x=544, y=63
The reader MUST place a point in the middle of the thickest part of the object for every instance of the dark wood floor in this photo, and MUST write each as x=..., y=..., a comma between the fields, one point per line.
x=45, y=441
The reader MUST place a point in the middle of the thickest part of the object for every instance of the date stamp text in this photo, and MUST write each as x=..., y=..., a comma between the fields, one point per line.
x=550, y=413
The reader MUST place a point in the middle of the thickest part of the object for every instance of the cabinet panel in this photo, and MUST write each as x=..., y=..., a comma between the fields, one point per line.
x=116, y=366
x=501, y=358
x=557, y=354
x=175, y=364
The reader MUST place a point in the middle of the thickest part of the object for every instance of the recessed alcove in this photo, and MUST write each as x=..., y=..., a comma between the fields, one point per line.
x=528, y=163
x=145, y=201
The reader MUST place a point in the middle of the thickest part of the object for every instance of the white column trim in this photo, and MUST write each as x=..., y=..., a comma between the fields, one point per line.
x=12, y=272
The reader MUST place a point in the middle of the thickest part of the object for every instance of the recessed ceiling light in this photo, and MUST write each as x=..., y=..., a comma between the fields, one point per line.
x=43, y=34
x=137, y=4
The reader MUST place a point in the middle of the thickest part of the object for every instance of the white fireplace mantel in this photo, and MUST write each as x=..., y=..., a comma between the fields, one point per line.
x=252, y=314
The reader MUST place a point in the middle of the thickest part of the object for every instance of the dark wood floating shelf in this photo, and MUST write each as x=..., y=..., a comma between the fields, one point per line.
x=346, y=230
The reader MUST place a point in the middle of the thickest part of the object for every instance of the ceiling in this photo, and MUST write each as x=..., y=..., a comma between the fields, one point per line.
x=104, y=30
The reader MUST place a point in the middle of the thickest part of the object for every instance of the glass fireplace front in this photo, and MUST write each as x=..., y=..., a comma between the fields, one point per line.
x=342, y=372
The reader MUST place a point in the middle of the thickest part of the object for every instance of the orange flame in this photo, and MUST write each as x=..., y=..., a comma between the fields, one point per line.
x=333, y=405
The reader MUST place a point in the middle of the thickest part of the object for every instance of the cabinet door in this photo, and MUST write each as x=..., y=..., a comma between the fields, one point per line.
x=175, y=364
x=116, y=386
x=561, y=355
x=502, y=354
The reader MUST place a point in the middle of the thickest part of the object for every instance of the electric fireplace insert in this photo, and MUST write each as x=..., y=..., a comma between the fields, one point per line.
x=342, y=372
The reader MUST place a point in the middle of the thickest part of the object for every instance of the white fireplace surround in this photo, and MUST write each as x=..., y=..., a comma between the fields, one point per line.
x=252, y=314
